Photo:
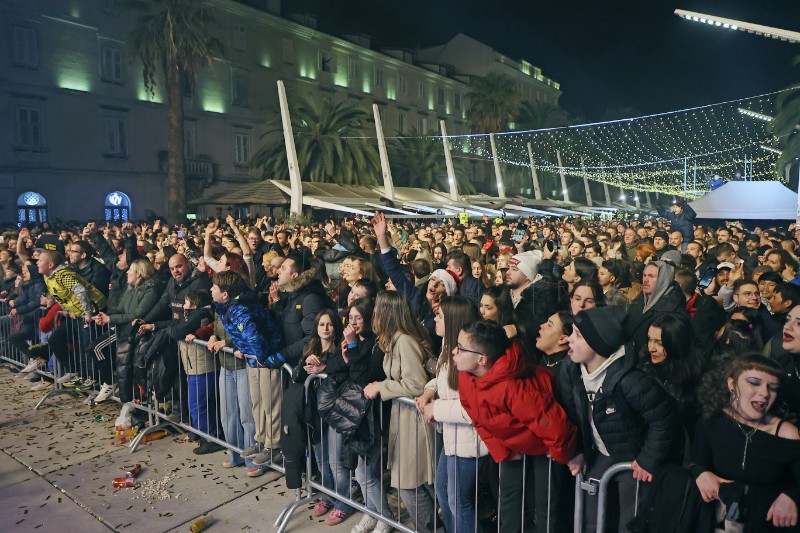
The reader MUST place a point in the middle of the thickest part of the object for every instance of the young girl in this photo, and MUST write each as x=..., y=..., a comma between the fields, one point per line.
x=405, y=343
x=322, y=350
x=463, y=450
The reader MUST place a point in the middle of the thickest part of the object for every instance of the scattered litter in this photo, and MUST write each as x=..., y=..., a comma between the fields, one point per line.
x=155, y=490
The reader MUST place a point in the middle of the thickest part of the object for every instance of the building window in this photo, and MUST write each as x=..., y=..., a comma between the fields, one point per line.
x=402, y=85
x=31, y=208
x=457, y=100
x=189, y=140
x=422, y=125
x=239, y=83
x=378, y=77
x=115, y=137
x=326, y=62
x=241, y=154
x=440, y=96
x=352, y=70
x=29, y=128
x=287, y=51
x=238, y=37
x=25, y=51
x=111, y=64
x=401, y=122
x=117, y=207
x=421, y=90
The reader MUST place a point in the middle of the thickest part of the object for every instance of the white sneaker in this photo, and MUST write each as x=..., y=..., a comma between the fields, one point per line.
x=33, y=365
x=66, y=377
x=105, y=393
x=383, y=527
x=366, y=525
x=42, y=385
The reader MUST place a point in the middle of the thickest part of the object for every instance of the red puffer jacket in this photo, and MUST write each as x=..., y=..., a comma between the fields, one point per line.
x=514, y=409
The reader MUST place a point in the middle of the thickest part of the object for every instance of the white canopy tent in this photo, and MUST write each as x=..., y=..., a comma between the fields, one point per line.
x=743, y=200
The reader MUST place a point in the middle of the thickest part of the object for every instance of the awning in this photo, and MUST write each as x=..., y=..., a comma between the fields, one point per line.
x=257, y=193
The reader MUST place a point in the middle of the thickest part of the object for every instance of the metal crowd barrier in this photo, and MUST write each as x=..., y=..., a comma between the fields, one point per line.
x=599, y=487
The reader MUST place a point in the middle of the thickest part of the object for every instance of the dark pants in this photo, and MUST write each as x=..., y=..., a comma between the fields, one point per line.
x=517, y=495
x=70, y=343
x=620, y=508
x=103, y=349
x=19, y=339
x=554, y=487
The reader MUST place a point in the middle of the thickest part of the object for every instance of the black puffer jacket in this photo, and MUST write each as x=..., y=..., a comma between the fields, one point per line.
x=634, y=416
x=297, y=312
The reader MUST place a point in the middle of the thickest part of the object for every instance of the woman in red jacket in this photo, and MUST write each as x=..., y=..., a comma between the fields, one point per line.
x=512, y=404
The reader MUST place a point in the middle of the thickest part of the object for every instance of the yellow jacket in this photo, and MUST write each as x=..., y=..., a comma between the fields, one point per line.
x=74, y=293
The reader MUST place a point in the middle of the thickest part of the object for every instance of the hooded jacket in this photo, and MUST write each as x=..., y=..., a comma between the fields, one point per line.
x=251, y=327
x=667, y=299
x=297, y=311
x=634, y=416
x=682, y=222
x=514, y=409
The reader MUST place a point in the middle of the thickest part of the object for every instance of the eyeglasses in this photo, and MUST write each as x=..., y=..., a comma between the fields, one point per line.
x=749, y=294
x=355, y=318
x=462, y=349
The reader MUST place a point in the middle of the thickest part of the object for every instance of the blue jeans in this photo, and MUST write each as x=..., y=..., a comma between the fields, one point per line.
x=334, y=477
x=203, y=403
x=455, y=490
x=369, y=475
x=236, y=412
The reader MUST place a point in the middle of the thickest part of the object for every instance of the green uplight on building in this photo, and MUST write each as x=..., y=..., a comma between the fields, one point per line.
x=340, y=78
x=145, y=96
x=366, y=85
x=212, y=101
x=306, y=70
x=73, y=81
x=266, y=61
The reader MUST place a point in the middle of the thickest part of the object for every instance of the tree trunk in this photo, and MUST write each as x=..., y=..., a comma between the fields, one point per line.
x=176, y=177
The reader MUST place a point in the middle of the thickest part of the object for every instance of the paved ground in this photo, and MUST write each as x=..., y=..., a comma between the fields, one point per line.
x=57, y=465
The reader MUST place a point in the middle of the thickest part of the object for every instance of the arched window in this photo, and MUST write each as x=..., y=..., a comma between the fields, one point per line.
x=118, y=207
x=31, y=208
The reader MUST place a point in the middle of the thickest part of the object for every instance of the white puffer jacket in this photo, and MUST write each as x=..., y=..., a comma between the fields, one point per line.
x=459, y=435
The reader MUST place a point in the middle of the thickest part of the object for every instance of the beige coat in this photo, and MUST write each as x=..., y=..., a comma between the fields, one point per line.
x=196, y=359
x=411, y=444
x=459, y=435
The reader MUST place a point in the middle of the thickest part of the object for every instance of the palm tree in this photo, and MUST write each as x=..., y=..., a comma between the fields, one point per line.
x=541, y=115
x=418, y=161
x=173, y=36
x=493, y=103
x=329, y=143
x=786, y=124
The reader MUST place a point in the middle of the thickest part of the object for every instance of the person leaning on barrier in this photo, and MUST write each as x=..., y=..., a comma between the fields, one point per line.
x=77, y=297
x=512, y=404
x=621, y=412
x=746, y=457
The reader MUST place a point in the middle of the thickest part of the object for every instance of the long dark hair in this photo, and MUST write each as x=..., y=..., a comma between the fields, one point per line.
x=681, y=363
x=501, y=297
x=597, y=292
x=314, y=344
x=365, y=308
x=458, y=312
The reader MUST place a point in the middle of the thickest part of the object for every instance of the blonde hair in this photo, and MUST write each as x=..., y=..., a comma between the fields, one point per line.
x=143, y=268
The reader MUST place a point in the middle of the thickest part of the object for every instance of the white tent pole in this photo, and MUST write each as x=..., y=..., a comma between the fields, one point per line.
x=388, y=184
x=296, y=204
x=537, y=191
x=564, y=189
x=498, y=176
x=586, y=187
x=451, y=173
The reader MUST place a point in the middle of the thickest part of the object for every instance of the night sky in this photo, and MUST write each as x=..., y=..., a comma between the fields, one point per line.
x=613, y=58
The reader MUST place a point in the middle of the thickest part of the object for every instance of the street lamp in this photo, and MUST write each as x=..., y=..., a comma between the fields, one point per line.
x=749, y=27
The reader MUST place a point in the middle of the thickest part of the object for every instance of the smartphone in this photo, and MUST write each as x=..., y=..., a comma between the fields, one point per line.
x=181, y=234
x=707, y=278
x=551, y=245
x=519, y=234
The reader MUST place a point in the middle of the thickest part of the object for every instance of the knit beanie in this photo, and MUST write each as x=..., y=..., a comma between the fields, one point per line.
x=528, y=263
x=446, y=277
x=602, y=328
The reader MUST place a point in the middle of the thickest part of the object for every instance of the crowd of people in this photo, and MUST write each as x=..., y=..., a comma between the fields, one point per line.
x=481, y=363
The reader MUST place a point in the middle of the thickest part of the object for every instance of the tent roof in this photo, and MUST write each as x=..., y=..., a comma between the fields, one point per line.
x=258, y=193
x=737, y=200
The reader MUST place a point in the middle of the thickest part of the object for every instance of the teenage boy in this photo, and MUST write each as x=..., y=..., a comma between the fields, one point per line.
x=256, y=337
x=512, y=405
x=621, y=412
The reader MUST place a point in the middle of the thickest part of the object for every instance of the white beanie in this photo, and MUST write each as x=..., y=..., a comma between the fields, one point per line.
x=450, y=284
x=528, y=263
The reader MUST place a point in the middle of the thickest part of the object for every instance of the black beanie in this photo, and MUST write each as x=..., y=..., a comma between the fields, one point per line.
x=602, y=328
